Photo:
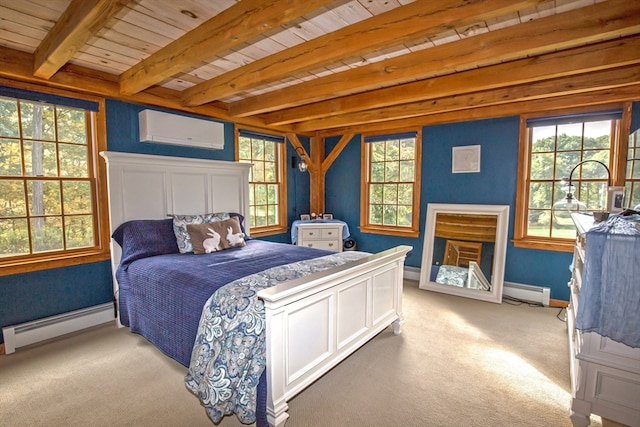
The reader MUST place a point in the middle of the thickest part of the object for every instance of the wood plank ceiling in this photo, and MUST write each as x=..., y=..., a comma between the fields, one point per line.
x=330, y=67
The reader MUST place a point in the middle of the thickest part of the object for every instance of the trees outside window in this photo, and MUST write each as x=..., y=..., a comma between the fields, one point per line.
x=391, y=184
x=632, y=182
x=267, y=191
x=585, y=143
x=48, y=185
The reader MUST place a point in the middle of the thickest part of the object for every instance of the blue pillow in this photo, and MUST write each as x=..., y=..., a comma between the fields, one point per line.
x=144, y=238
x=241, y=221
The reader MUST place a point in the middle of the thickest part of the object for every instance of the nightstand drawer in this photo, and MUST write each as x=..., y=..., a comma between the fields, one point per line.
x=313, y=233
x=326, y=236
x=327, y=245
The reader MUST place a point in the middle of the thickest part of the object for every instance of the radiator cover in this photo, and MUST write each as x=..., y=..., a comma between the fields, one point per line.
x=50, y=327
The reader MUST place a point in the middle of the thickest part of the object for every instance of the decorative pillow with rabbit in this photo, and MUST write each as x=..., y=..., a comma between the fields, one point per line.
x=180, y=223
x=216, y=236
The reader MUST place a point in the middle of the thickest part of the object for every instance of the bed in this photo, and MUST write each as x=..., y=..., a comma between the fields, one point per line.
x=312, y=321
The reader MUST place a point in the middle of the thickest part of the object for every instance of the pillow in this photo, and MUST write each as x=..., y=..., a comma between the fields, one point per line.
x=452, y=275
x=144, y=238
x=241, y=220
x=180, y=227
x=216, y=236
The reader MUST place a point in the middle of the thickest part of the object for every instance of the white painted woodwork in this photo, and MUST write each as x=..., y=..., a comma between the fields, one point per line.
x=605, y=375
x=313, y=322
x=145, y=186
x=478, y=283
x=327, y=236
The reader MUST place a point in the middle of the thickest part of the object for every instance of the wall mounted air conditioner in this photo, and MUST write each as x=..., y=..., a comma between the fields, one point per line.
x=165, y=128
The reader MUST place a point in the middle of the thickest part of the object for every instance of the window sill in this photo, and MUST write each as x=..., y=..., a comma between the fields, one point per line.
x=564, y=245
x=267, y=231
x=50, y=262
x=391, y=231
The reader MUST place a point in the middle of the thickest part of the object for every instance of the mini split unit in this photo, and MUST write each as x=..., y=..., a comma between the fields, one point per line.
x=165, y=128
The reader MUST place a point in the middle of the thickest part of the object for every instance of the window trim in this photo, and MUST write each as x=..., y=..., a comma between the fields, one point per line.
x=617, y=157
x=283, y=226
x=365, y=170
x=101, y=251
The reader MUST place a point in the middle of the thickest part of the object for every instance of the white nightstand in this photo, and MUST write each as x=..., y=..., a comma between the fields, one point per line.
x=321, y=235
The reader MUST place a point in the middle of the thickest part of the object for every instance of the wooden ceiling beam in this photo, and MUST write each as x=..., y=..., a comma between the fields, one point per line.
x=239, y=23
x=618, y=94
x=81, y=20
x=587, y=82
x=607, y=20
x=611, y=54
x=421, y=19
x=18, y=65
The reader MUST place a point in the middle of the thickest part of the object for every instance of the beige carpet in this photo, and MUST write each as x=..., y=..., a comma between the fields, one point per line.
x=459, y=362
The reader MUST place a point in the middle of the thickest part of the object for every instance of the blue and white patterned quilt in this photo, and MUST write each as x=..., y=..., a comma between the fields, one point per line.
x=229, y=352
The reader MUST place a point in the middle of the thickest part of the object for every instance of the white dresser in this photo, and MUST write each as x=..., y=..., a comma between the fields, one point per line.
x=605, y=374
x=327, y=236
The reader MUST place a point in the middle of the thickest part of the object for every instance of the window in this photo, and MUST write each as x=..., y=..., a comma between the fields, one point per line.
x=580, y=146
x=391, y=184
x=48, y=181
x=267, y=188
x=632, y=190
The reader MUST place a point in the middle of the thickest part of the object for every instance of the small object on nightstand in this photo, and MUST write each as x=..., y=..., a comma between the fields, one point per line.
x=599, y=216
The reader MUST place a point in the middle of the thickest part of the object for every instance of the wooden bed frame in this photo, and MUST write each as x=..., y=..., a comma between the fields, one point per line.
x=314, y=322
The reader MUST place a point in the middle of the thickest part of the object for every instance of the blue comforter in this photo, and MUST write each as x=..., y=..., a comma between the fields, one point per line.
x=161, y=296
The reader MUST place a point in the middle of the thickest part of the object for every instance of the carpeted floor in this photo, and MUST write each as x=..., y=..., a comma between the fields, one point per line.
x=459, y=362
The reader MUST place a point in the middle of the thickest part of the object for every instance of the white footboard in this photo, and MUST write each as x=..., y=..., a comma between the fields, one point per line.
x=315, y=322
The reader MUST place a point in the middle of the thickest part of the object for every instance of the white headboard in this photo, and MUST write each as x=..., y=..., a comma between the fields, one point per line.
x=143, y=186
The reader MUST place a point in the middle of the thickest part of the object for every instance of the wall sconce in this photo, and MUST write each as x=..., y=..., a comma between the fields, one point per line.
x=569, y=203
x=302, y=165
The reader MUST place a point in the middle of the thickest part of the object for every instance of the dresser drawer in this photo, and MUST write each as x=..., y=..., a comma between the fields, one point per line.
x=327, y=245
x=310, y=233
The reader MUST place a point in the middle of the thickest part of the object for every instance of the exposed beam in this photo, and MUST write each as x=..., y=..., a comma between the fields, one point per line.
x=80, y=21
x=317, y=178
x=590, y=81
x=421, y=19
x=619, y=94
x=18, y=65
x=239, y=23
x=333, y=155
x=610, y=19
x=611, y=54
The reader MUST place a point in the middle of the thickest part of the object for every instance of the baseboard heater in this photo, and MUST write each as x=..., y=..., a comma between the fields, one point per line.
x=50, y=327
x=534, y=294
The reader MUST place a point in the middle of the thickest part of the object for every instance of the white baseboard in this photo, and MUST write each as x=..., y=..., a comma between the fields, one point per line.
x=530, y=293
x=42, y=329
x=412, y=273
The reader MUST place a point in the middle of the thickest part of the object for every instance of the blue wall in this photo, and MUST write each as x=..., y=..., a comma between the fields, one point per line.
x=494, y=184
x=29, y=296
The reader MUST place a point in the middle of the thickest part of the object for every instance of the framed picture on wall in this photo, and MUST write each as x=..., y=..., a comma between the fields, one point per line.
x=305, y=217
x=465, y=159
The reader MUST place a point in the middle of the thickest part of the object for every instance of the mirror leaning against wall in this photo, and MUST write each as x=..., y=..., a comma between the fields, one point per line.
x=464, y=250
